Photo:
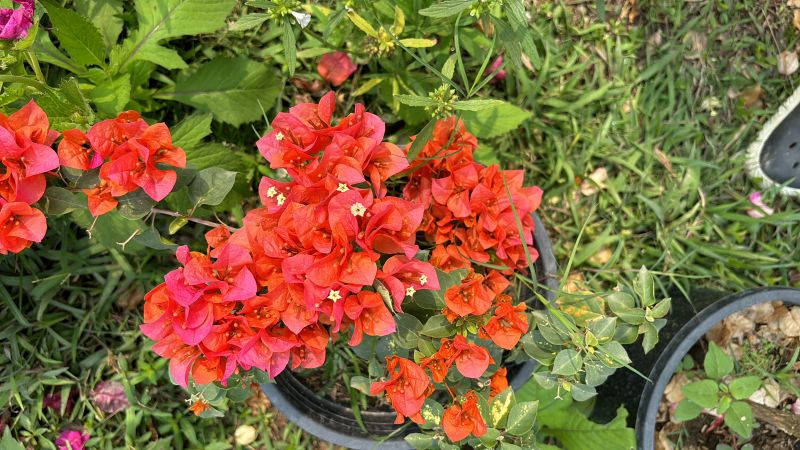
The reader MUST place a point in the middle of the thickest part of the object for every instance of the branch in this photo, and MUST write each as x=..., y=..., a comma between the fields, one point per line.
x=787, y=422
x=192, y=219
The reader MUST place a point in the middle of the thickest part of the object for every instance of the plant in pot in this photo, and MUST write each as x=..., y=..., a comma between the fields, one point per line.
x=409, y=276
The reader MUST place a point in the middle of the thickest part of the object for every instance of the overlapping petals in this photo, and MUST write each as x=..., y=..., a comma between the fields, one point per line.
x=130, y=154
x=406, y=389
x=464, y=419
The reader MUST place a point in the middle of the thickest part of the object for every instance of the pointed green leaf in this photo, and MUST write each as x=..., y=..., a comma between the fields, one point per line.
x=717, y=363
x=521, y=418
x=78, y=36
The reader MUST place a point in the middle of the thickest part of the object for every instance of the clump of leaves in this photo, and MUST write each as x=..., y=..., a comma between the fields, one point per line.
x=717, y=390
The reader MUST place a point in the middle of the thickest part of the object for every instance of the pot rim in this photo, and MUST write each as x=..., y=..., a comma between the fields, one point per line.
x=680, y=344
x=549, y=282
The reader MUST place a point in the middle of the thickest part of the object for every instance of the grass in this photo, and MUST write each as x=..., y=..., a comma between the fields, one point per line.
x=666, y=103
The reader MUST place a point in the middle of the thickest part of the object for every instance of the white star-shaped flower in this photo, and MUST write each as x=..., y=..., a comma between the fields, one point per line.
x=358, y=209
x=342, y=188
x=272, y=192
x=279, y=136
x=334, y=295
x=423, y=279
x=281, y=198
x=410, y=291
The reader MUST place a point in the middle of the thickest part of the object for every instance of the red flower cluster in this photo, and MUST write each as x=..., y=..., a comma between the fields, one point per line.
x=461, y=420
x=25, y=157
x=302, y=268
x=128, y=151
x=407, y=388
x=468, y=207
x=471, y=359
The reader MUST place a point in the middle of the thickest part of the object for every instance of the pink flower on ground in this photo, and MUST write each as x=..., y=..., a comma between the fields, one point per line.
x=761, y=209
x=336, y=67
x=496, y=64
x=110, y=397
x=14, y=23
x=71, y=440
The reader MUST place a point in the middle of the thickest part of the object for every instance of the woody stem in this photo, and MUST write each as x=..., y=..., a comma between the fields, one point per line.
x=207, y=223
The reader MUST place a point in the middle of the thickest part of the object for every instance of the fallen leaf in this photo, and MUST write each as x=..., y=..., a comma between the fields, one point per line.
x=760, y=313
x=796, y=20
x=787, y=63
x=768, y=395
x=594, y=182
x=602, y=257
x=664, y=160
x=575, y=283
x=699, y=43
x=790, y=323
x=673, y=392
x=751, y=97
x=793, y=3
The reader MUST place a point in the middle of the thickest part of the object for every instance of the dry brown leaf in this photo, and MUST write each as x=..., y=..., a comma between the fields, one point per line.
x=719, y=334
x=760, y=313
x=594, y=182
x=699, y=43
x=574, y=283
x=751, y=97
x=789, y=323
x=796, y=20
x=602, y=257
x=793, y=3
x=787, y=63
x=673, y=392
x=662, y=440
x=768, y=395
x=664, y=160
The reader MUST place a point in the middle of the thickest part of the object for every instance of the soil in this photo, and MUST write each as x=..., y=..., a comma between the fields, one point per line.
x=762, y=338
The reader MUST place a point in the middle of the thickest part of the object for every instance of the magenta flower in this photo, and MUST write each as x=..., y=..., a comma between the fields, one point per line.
x=14, y=23
x=110, y=397
x=71, y=440
x=761, y=209
x=496, y=64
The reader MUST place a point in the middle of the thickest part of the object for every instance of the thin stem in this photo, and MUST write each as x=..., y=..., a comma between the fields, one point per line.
x=34, y=62
x=207, y=223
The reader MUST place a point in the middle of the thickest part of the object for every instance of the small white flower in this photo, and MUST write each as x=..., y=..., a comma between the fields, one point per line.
x=303, y=18
x=342, y=188
x=334, y=295
x=423, y=279
x=281, y=198
x=358, y=209
x=245, y=435
x=410, y=291
x=272, y=192
x=279, y=136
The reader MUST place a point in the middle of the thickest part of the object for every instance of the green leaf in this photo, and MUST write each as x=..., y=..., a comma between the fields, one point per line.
x=106, y=15
x=8, y=442
x=419, y=441
x=582, y=392
x=249, y=21
x=687, y=410
x=176, y=224
x=489, y=439
x=408, y=328
x=58, y=201
x=415, y=100
x=521, y=418
x=576, y=432
x=622, y=305
x=446, y=8
x=362, y=24
x=742, y=388
x=161, y=20
x=739, y=419
x=603, y=328
x=449, y=67
x=703, y=392
x=150, y=238
x=432, y=411
x=360, y=383
x=501, y=405
x=78, y=36
x=650, y=337
x=717, y=363
x=495, y=121
x=421, y=139
x=367, y=86
x=438, y=327
x=645, y=287
x=477, y=105
x=214, y=154
x=111, y=229
x=211, y=185
x=568, y=362
x=613, y=354
x=661, y=308
x=190, y=131
x=234, y=90
x=135, y=205
x=289, y=49
x=112, y=95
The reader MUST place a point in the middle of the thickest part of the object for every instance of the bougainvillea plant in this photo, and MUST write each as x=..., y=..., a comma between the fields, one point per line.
x=410, y=263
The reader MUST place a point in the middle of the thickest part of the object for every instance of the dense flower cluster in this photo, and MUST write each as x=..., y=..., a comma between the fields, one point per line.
x=15, y=23
x=25, y=157
x=128, y=152
x=469, y=208
x=302, y=268
x=332, y=251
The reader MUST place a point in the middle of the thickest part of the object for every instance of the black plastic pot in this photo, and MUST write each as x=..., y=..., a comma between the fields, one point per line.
x=684, y=328
x=336, y=423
